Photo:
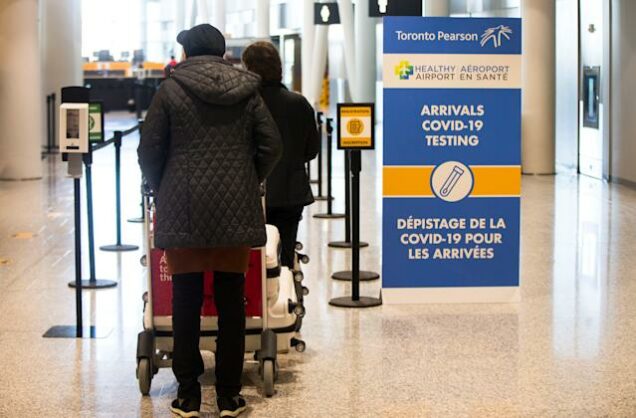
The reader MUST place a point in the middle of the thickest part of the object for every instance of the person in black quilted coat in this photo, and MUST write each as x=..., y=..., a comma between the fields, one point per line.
x=207, y=144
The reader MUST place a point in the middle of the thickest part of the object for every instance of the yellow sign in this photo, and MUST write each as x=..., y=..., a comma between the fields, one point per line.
x=356, y=126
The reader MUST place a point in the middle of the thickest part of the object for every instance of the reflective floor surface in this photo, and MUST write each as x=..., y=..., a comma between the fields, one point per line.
x=567, y=350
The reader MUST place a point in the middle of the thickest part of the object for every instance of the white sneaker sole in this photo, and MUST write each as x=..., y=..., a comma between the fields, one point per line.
x=233, y=414
x=182, y=414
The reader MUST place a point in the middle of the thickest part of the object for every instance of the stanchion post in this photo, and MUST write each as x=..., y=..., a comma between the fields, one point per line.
x=138, y=86
x=78, y=259
x=329, y=166
x=92, y=282
x=118, y=246
x=347, y=241
x=142, y=218
x=320, y=163
x=53, y=122
x=355, y=301
x=48, y=124
x=329, y=214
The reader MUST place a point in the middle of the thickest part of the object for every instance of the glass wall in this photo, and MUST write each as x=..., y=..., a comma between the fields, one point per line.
x=124, y=26
x=113, y=25
x=486, y=8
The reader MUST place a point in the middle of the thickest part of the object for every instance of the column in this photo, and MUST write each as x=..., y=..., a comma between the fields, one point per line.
x=307, y=46
x=365, y=53
x=61, y=44
x=538, y=130
x=319, y=63
x=218, y=15
x=346, y=18
x=21, y=98
x=61, y=26
x=203, y=15
x=262, y=18
x=436, y=8
x=180, y=24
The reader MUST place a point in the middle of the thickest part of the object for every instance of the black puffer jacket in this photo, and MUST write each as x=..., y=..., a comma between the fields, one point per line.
x=207, y=144
x=288, y=185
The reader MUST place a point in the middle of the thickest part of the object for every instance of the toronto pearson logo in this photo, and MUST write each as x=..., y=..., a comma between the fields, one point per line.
x=404, y=70
x=496, y=35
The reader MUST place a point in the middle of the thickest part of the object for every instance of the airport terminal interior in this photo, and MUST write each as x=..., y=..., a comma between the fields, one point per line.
x=541, y=325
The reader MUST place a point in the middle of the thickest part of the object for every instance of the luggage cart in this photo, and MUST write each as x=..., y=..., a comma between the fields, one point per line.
x=274, y=302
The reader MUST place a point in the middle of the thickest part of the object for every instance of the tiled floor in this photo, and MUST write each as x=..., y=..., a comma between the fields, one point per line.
x=567, y=350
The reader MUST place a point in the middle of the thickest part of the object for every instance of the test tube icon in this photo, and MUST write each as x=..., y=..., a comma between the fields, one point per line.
x=451, y=181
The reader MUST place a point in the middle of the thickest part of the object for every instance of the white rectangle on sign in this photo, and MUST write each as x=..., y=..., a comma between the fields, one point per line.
x=477, y=71
x=74, y=128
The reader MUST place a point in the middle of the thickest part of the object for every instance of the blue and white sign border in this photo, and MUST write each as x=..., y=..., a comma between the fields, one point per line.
x=419, y=42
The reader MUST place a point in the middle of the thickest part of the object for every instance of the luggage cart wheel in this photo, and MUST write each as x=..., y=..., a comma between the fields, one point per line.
x=299, y=310
x=303, y=258
x=299, y=345
x=144, y=260
x=305, y=290
x=144, y=375
x=299, y=246
x=268, y=377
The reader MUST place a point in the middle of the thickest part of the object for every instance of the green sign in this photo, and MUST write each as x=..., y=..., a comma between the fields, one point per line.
x=95, y=122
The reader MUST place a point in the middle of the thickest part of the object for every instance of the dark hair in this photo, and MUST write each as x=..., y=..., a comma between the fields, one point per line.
x=263, y=59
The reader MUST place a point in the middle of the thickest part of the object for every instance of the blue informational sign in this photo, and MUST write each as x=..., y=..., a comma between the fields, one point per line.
x=452, y=159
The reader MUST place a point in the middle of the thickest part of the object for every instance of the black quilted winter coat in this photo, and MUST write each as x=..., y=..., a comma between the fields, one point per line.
x=207, y=143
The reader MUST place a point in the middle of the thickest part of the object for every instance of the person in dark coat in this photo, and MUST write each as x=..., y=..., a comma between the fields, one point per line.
x=207, y=144
x=288, y=187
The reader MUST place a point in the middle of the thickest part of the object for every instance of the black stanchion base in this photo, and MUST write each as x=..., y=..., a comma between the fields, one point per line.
x=329, y=216
x=70, y=331
x=345, y=244
x=95, y=284
x=348, y=302
x=322, y=198
x=119, y=248
x=347, y=276
x=136, y=220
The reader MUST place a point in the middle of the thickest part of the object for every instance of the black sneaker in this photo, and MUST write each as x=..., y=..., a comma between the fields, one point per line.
x=185, y=408
x=231, y=407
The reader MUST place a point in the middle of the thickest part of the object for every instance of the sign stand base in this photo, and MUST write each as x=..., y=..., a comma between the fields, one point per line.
x=94, y=284
x=119, y=247
x=71, y=331
x=346, y=245
x=347, y=276
x=329, y=216
x=348, y=302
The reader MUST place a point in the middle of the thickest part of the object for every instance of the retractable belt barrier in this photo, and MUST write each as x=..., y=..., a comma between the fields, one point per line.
x=329, y=198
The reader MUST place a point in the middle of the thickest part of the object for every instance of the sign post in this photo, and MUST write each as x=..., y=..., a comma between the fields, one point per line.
x=356, y=132
x=452, y=157
x=75, y=127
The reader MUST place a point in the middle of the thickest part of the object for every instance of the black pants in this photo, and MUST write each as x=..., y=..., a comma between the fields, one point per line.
x=286, y=219
x=187, y=363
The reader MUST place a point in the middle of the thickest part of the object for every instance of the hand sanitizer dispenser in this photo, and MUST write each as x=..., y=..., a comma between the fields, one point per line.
x=74, y=128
